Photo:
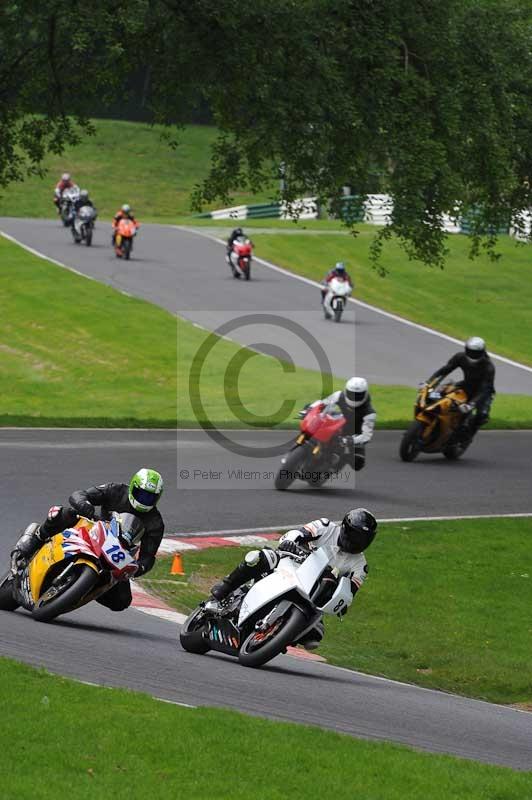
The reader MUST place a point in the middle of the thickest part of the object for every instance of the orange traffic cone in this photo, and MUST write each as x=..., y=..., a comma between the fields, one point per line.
x=177, y=565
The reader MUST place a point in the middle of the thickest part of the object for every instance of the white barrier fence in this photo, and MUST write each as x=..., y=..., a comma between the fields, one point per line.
x=376, y=209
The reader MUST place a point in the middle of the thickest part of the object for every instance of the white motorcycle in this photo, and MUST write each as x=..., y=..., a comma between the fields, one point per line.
x=338, y=290
x=257, y=624
x=66, y=205
x=83, y=225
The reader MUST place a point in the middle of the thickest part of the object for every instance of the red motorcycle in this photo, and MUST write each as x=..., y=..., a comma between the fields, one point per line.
x=239, y=259
x=317, y=450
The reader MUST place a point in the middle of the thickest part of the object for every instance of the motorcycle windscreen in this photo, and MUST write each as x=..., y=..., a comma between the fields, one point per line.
x=287, y=576
x=281, y=581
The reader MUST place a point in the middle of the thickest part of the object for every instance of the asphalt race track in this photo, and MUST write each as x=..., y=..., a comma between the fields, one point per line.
x=141, y=652
x=131, y=649
x=185, y=273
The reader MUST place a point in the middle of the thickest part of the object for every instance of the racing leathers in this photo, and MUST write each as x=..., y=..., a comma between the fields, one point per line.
x=258, y=564
x=334, y=273
x=123, y=215
x=478, y=384
x=108, y=497
x=60, y=188
x=357, y=431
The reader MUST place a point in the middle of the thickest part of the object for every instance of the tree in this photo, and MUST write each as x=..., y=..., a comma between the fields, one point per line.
x=434, y=97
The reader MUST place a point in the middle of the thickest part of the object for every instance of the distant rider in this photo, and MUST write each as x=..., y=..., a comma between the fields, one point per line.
x=139, y=498
x=478, y=383
x=125, y=212
x=83, y=200
x=233, y=236
x=66, y=182
x=338, y=271
x=354, y=401
x=349, y=539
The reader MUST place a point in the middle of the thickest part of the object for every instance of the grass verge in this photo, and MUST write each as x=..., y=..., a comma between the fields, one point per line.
x=446, y=606
x=480, y=297
x=171, y=751
x=75, y=352
x=125, y=162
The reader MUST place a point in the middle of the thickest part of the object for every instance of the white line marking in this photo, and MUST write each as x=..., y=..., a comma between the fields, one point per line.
x=236, y=532
x=360, y=303
x=113, y=688
x=60, y=264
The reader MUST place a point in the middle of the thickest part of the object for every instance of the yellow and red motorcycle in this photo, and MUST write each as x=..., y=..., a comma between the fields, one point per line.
x=437, y=423
x=71, y=569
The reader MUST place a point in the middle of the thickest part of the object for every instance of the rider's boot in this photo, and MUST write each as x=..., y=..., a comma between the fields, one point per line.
x=312, y=639
x=241, y=574
x=26, y=547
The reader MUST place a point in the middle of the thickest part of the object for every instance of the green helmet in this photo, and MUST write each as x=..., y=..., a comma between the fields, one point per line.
x=145, y=488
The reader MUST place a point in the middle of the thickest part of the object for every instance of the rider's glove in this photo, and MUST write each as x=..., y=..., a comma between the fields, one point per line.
x=289, y=546
x=465, y=408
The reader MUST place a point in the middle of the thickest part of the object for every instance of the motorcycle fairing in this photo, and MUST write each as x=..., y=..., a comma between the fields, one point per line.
x=288, y=576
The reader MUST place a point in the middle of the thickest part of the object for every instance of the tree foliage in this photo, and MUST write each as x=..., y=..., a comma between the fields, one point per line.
x=433, y=98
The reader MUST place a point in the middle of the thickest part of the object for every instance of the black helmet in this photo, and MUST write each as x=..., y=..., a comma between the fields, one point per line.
x=239, y=232
x=131, y=529
x=358, y=530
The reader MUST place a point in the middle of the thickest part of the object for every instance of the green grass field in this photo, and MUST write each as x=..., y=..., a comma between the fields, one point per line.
x=137, y=359
x=446, y=605
x=62, y=738
x=125, y=162
x=479, y=297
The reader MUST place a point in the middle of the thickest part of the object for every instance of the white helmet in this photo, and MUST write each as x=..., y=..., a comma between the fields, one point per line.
x=126, y=208
x=356, y=392
x=475, y=348
x=65, y=176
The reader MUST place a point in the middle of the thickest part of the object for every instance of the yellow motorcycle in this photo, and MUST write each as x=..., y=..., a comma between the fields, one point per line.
x=73, y=568
x=435, y=428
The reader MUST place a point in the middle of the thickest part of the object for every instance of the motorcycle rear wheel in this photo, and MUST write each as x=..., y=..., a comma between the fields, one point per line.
x=7, y=601
x=190, y=636
x=293, y=461
x=409, y=447
x=69, y=598
x=255, y=654
x=455, y=451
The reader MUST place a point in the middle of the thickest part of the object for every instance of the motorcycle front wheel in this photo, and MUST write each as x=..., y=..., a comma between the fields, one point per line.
x=287, y=473
x=88, y=237
x=126, y=248
x=338, y=311
x=191, y=637
x=261, y=646
x=410, y=443
x=83, y=579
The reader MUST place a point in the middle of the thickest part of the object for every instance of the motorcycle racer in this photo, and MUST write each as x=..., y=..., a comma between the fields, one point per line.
x=125, y=212
x=350, y=539
x=478, y=383
x=65, y=182
x=138, y=498
x=354, y=401
x=338, y=271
